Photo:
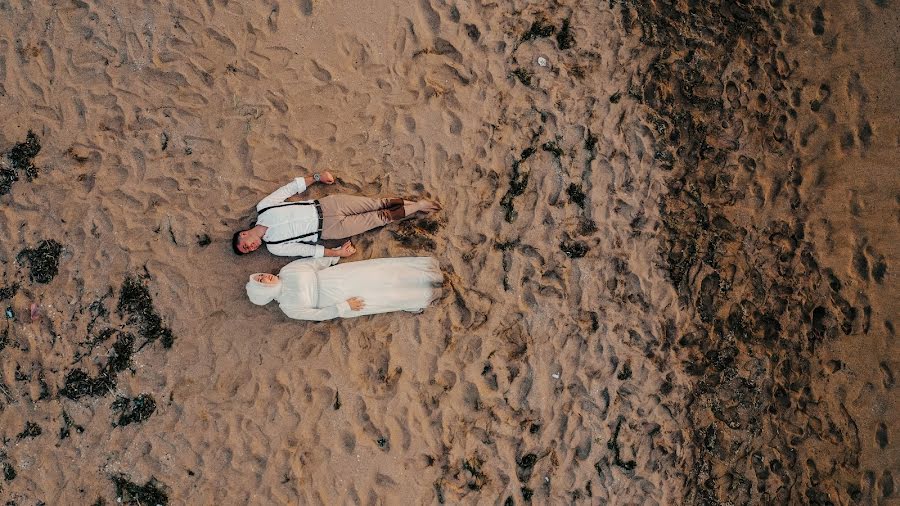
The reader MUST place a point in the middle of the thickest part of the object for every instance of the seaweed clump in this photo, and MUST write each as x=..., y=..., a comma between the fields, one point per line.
x=31, y=430
x=130, y=493
x=133, y=410
x=539, y=29
x=7, y=292
x=478, y=478
x=565, y=39
x=517, y=184
x=43, y=260
x=135, y=301
x=613, y=444
x=524, y=76
x=79, y=384
x=574, y=249
x=576, y=194
x=21, y=159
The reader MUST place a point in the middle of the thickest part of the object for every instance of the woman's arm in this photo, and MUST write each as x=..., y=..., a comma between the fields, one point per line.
x=343, y=309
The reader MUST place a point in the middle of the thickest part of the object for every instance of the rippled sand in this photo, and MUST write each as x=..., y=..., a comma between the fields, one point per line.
x=671, y=252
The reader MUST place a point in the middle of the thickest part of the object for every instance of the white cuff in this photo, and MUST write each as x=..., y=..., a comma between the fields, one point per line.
x=320, y=251
x=344, y=308
x=301, y=184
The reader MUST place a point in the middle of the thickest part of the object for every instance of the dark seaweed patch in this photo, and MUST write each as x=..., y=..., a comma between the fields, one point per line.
x=43, y=260
x=7, y=178
x=576, y=194
x=574, y=249
x=9, y=472
x=552, y=148
x=8, y=292
x=517, y=184
x=79, y=384
x=135, y=301
x=565, y=39
x=128, y=492
x=750, y=357
x=120, y=358
x=527, y=494
x=473, y=32
x=31, y=430
x=538, y=30
x=203, y=240
x=21, y=159
x=134, y=410
x=524, y=76
x=613, y=444
x=21, y=156
x=476, y=478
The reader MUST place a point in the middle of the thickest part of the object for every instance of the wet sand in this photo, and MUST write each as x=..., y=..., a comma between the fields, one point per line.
x=670, y=252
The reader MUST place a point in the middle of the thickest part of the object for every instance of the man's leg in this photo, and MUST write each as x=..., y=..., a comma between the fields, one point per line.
x=348, y=215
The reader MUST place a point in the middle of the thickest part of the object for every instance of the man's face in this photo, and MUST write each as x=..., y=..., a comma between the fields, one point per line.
x=248, y=242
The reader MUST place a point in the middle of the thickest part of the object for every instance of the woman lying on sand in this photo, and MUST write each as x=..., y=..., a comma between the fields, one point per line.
x=317, y=289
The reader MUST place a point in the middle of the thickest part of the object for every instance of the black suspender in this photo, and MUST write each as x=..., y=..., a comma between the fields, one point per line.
x=302, y=236
x=313, y=203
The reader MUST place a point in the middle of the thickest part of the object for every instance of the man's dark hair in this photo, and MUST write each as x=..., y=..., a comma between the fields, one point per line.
x=235, y=240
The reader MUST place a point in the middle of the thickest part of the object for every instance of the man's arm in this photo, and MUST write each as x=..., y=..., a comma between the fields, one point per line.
x=278, y=196
x=296, y=249
x=297, y=186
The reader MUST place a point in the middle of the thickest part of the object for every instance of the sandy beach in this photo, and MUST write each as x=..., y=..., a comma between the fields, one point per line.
x=669, y=233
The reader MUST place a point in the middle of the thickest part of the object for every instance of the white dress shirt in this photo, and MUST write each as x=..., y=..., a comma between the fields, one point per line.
x=290, y=221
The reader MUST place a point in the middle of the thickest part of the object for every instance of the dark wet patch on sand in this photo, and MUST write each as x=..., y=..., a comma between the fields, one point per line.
x=759, y=297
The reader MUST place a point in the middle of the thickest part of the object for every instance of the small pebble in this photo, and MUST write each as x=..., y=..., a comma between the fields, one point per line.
x=555, y=375
x=542, y=61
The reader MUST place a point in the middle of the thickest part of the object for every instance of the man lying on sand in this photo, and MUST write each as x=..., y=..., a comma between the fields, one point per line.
x=296, y=228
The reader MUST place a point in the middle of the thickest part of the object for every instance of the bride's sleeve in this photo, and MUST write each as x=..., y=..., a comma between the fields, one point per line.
x=317, y=314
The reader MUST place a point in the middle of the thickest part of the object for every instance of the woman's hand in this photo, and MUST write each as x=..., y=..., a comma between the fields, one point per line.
x=326, y=177
x=346, y=250
x=356, y=303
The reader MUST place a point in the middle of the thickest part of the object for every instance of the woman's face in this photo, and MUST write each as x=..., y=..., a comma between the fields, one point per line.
x=267, y=279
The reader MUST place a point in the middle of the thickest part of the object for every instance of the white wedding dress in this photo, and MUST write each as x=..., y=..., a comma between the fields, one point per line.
x=316, y=289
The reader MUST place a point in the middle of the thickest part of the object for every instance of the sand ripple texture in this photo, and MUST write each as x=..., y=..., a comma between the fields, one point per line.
x=669, y=233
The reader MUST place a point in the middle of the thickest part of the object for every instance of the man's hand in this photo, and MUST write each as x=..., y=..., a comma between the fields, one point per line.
x=356, y=303
x=345, y=250
x=326, y=177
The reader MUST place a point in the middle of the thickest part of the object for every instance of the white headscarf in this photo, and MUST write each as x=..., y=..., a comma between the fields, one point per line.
x=261, y=293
